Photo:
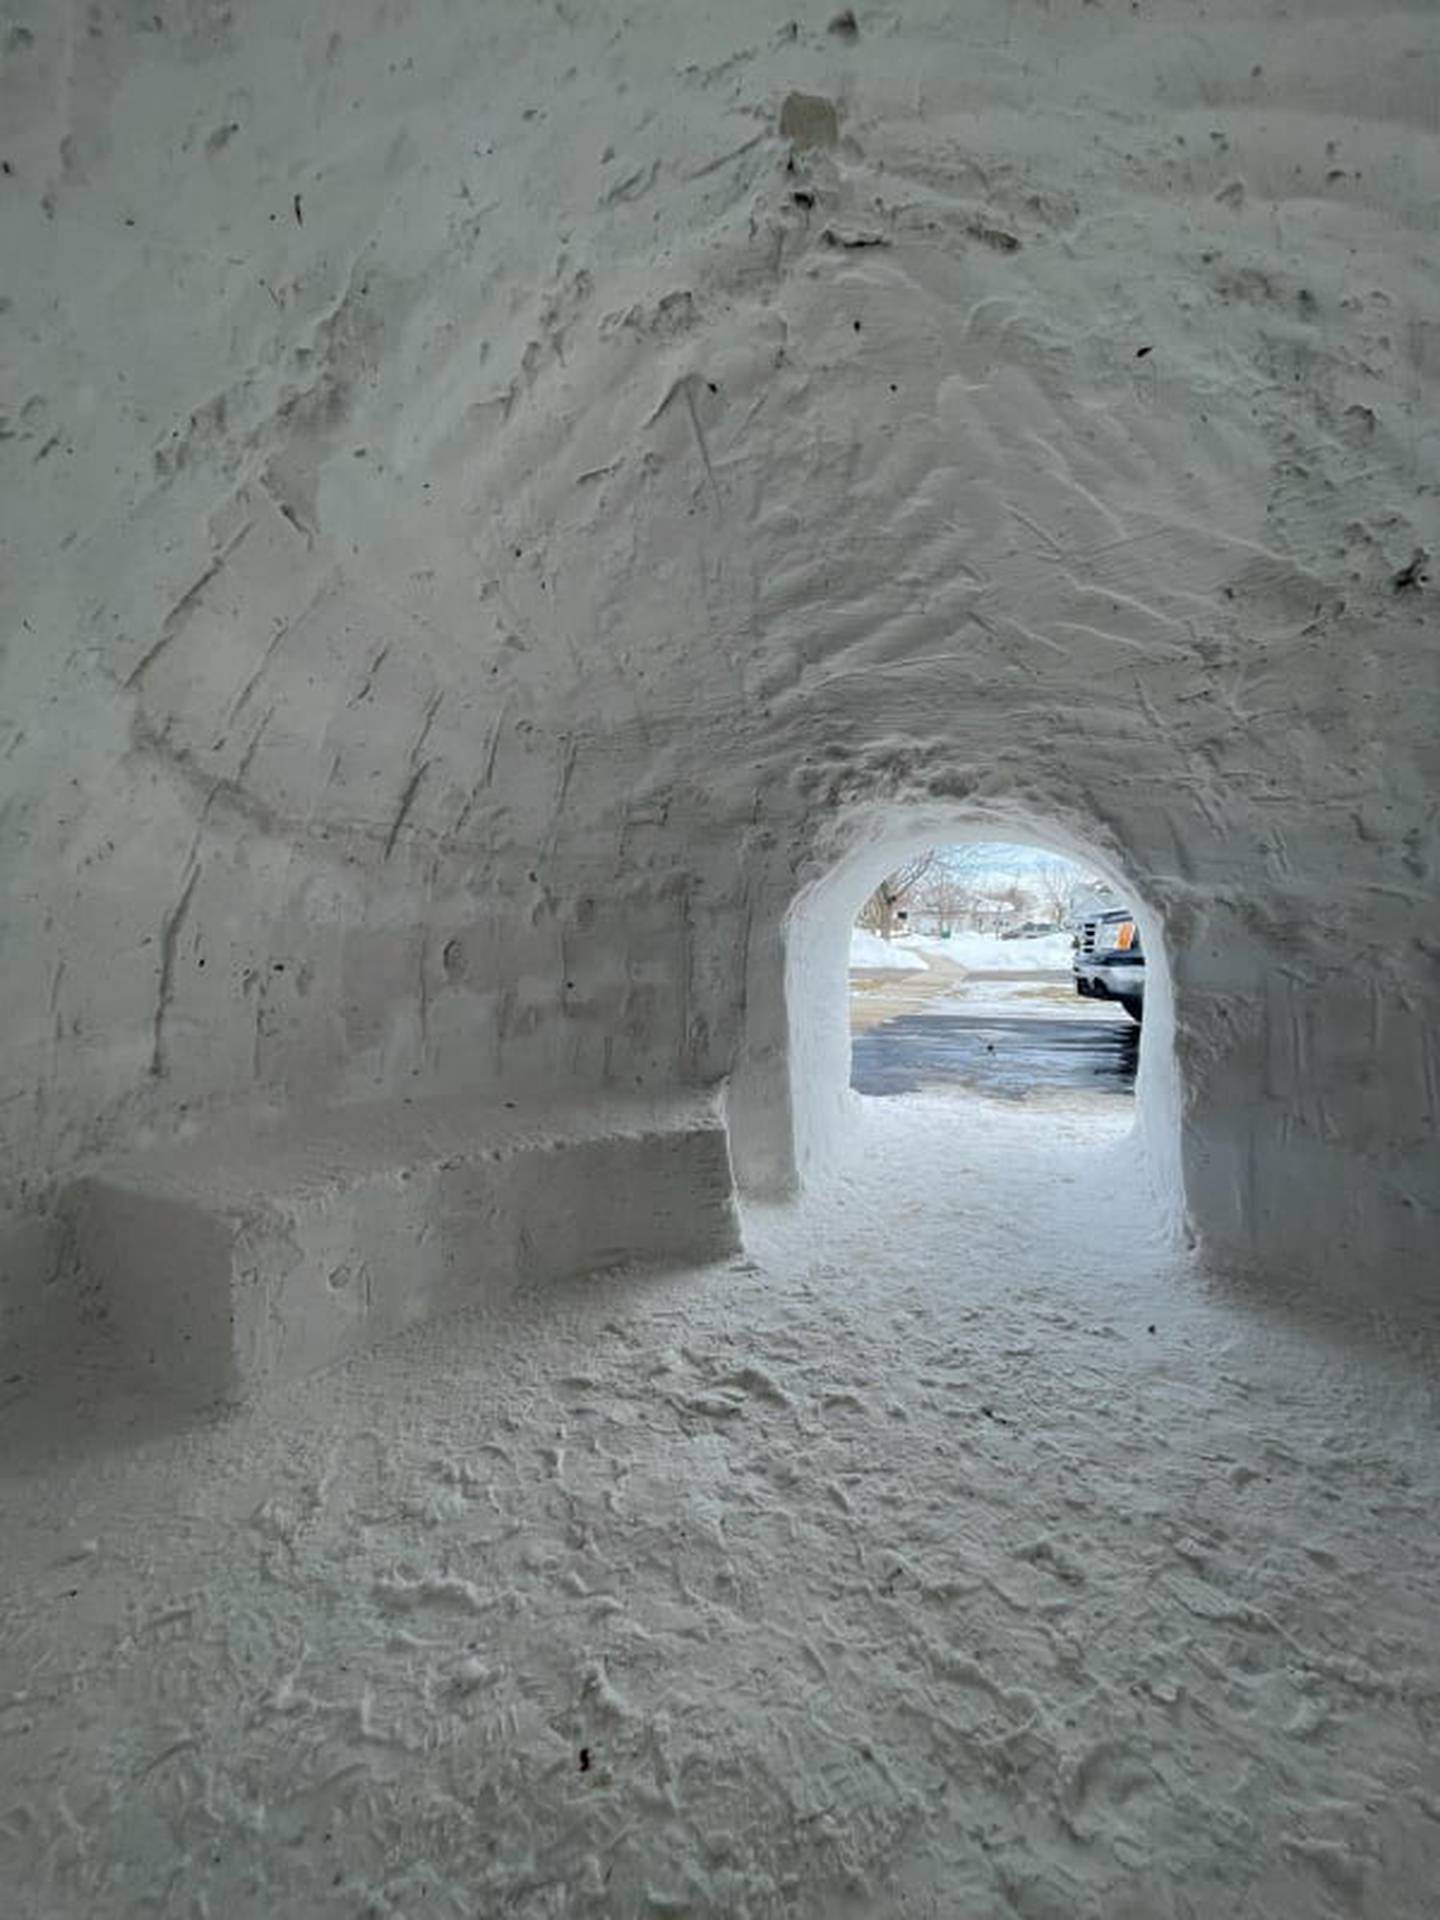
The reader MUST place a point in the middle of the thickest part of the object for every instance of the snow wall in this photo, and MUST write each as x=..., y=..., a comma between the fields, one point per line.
x=499, y=520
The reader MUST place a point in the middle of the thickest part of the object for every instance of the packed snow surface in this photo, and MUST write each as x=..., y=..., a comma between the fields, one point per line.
x=960, y=1551
x=870, y=954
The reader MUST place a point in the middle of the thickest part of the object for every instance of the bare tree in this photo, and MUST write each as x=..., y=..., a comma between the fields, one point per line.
x=948, y=899
x=951, y=895
x=943, y=884
x=958, y=887
x=1005, y=903
x=1059, y=888
x=892, y=897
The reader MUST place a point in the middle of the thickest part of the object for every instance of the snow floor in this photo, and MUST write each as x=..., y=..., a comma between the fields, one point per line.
x=962, y=1551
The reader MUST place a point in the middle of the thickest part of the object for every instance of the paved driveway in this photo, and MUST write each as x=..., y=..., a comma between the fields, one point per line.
x=1011, y=1038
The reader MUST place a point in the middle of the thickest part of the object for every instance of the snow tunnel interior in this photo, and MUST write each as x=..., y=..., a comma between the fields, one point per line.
x=478, y=649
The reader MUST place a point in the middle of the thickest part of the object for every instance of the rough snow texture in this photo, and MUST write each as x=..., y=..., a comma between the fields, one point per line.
x=493, y=516
x=959, y=1554
x=870, y=954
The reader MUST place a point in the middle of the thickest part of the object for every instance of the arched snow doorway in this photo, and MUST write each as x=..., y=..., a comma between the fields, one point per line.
x=791, y=1104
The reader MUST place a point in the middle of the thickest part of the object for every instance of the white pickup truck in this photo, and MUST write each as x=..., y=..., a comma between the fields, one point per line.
x=1109, y=963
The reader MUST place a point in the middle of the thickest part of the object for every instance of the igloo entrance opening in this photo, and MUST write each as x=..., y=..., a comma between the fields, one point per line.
x=992, y=971
x=794, y=1113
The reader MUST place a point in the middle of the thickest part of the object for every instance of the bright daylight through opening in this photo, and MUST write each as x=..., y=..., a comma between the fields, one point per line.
x=999, y=972
x=939, y=959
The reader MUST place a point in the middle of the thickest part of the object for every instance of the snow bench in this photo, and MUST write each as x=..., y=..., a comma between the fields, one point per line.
x=257, y=1256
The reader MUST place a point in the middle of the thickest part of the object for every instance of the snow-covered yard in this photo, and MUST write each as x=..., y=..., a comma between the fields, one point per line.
x=976, y=952
x=960, y=1551
x=870, y=954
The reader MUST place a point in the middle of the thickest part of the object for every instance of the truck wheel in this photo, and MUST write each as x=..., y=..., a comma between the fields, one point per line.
x=1135, y=1008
